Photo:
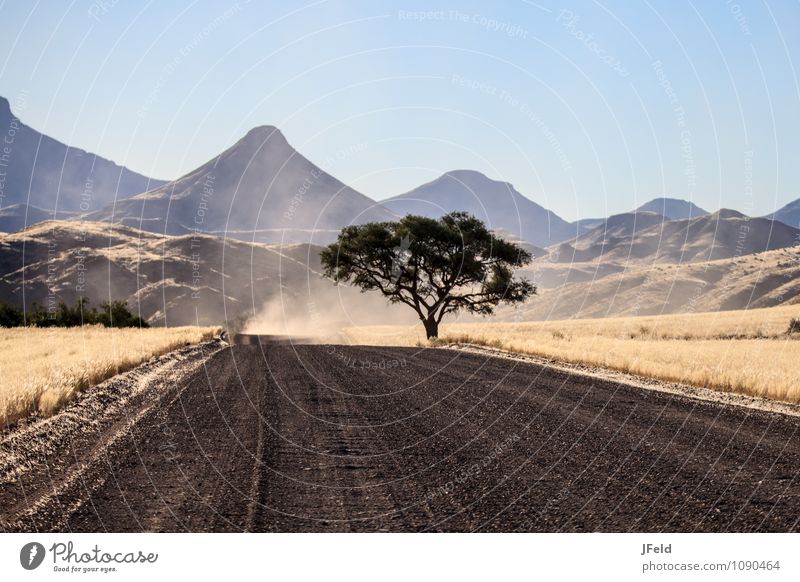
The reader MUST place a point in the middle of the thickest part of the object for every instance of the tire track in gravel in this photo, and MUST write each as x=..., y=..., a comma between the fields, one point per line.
x=338, y=438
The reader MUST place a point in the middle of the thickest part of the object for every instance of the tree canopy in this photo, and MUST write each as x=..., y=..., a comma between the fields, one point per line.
x=435, y=266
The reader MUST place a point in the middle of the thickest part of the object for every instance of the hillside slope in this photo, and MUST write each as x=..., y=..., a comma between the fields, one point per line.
x=173, y=280
x=760, y=280
x=721, y=235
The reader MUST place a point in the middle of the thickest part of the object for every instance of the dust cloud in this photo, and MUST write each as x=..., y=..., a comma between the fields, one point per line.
x=322, y=313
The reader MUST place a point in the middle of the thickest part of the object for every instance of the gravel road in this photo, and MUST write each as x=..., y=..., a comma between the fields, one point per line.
x=337, y=438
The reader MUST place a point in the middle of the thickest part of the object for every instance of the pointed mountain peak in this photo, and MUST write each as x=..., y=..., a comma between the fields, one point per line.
x=261, y=137
x=473, y=179
x=467, y=176
x=264, y=131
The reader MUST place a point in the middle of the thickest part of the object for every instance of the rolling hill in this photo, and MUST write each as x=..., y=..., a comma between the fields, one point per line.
x=724, y=234
x=584, y=225
x=17, y=216
x=175, y=280
x=205, y=279
x=611, y=233
x=758, y=280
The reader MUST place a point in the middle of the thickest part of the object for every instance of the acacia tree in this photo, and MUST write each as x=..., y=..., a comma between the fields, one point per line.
x=434, y=266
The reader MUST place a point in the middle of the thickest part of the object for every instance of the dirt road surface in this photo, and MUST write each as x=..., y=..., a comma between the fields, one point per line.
x=336, y=438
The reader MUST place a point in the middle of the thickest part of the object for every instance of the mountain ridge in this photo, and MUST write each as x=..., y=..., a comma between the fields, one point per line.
x=45, y=173
x=762, y=279
x=495, y=202
x=190, y=279
x=205, y=279
x=672, y=208
x=787, y=214
x=723, y=234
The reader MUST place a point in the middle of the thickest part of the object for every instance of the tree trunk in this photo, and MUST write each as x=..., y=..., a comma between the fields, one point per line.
x=431, y=327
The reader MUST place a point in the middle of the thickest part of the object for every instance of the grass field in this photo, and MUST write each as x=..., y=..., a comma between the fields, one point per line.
x=748, y=352
x=43, y=368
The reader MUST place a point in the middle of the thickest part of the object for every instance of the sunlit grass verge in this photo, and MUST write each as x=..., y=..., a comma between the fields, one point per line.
x=41, y=369
x=748, y=352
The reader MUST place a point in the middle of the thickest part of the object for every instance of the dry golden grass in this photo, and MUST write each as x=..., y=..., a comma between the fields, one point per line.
x=43, y=368
x=748, y=352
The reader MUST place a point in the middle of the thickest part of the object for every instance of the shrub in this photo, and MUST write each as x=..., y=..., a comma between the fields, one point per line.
x=111, y=314
x=10, y=316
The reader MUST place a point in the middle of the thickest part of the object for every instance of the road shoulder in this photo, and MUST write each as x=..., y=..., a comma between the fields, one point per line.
x=685, y=390
x=49, y=460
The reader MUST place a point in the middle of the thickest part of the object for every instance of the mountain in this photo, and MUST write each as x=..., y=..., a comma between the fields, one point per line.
x=511, y=237
x=583, y=225
x=758, y=280
x=44, y=173
x=724, y=234
x=17, y=216
x=789, y=214
x=496, y=203
x=672, y=208
x=178, y=280
x=206, y=279
x=613, y=232
x=622, y=225
x=259, y=189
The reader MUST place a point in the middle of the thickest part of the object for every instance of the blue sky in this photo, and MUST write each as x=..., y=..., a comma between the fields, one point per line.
x=588, y=108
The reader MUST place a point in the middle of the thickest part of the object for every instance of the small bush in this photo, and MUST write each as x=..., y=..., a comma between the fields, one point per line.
x=794, y=326
x=10, y=316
